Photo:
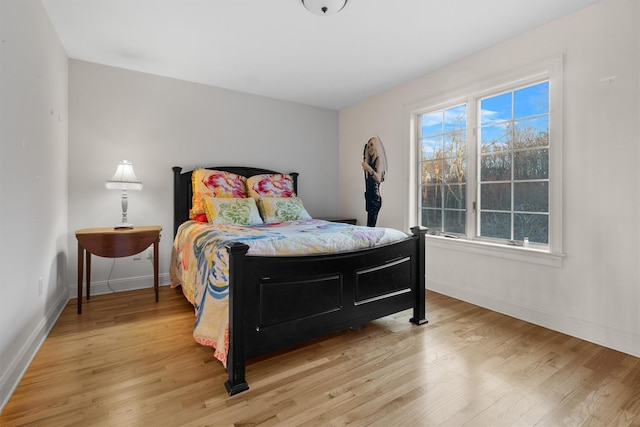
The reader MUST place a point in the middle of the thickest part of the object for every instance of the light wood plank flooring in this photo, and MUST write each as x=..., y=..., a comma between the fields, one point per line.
x=128, y=361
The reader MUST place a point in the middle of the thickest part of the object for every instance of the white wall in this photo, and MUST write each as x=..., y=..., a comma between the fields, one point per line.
x=33, y=184
x=595, y=295
x=156, y=123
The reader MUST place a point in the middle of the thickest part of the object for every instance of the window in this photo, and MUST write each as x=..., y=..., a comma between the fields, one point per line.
x=443, y=169
x=513, y=141
x=489, y=162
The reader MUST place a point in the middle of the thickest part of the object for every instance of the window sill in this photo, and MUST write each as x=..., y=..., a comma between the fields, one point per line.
x=530, y=254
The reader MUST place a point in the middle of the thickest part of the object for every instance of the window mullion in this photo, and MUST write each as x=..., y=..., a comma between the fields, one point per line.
x=473, y=187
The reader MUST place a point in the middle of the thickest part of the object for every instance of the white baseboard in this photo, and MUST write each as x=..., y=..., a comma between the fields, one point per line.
x=593, y=332
x=18, y=366
x=120, y=285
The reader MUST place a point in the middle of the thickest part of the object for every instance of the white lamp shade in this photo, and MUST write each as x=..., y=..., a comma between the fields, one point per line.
x=324, y=7
x=124, y=178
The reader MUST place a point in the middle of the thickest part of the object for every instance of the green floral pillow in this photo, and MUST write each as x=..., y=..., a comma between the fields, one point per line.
x=228, y=211
x=278, y=209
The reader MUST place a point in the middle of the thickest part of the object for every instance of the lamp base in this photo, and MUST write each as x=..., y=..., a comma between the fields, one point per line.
x=123, y=225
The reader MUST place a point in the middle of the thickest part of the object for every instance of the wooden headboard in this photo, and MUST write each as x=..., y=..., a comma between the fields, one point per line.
x=182, y=189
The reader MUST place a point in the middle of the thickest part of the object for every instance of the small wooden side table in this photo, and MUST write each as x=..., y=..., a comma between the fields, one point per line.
x=115, y=243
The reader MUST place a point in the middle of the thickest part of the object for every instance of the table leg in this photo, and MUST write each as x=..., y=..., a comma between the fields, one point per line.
x=80, y=266
x=155, y=266
x=88, y=275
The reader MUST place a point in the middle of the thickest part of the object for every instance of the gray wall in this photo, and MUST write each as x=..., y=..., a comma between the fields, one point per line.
x=33, y=184
x=156, y=123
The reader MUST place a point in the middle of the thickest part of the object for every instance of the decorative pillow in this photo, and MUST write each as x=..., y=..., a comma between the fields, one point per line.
x=213, y=183
x=278, y=209
x=200, y=218
x=270, y=185
x=228, y=211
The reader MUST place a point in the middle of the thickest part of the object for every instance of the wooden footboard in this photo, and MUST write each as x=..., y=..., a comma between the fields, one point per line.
x=268, y=311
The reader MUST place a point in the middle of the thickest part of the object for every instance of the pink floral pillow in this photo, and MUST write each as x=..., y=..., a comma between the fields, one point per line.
x=270, y=185
x=213, y=183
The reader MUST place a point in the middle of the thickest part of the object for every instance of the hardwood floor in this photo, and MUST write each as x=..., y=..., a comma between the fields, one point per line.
x=129, y=361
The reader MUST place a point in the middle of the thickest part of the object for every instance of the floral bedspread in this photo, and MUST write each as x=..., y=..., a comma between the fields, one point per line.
x=200, y=263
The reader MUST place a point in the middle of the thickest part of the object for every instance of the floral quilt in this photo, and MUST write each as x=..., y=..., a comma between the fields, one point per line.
x=200, y=263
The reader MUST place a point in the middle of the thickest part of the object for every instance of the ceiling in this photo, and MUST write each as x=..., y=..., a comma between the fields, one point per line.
x=276, y=48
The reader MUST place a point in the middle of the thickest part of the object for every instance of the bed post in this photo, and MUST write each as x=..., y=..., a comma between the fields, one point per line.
x=294, y=177
x=236, y=355
x=419, y=312
x=176, y=197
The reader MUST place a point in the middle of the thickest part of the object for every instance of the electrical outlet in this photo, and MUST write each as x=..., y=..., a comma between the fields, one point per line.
x=150, y=253
x=40, y=286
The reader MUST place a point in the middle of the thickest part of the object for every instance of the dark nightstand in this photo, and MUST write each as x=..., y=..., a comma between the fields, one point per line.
x=345, y=220
x=115, y=243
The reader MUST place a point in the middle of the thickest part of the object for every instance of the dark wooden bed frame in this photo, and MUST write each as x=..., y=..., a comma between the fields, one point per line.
x=267, y=311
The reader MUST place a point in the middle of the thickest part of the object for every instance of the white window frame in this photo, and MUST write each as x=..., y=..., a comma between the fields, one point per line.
x=550, y=69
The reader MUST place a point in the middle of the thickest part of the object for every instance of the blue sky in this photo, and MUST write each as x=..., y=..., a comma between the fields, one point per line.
x=528, y=101
x=497, y=111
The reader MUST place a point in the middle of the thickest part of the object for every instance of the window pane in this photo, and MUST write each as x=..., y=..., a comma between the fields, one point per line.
x=454, y=171
x=531, y=100
x=454, y=222
x=431, y=124
x=432, y=218
x=496, y=197
x=455, y=118
x=495, y=109
x=495, y=167
x=431, y=196
x=431, y=172
x=513, y=151
x=443, y=145
x=495, y=138
x=531, y=164
x=455, y=196
x=432, y=148
x=531, y=196
x=531, y=133
x=455, y=144
x=533, y=226
x=494, y=224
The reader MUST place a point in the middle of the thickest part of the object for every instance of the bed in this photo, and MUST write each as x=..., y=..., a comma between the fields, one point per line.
x=273, y=301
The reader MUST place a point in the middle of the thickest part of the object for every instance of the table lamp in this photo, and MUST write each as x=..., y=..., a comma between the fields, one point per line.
x=124, y=179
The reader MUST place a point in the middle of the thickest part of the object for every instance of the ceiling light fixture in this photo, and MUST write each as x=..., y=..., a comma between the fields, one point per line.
x=324, y=7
